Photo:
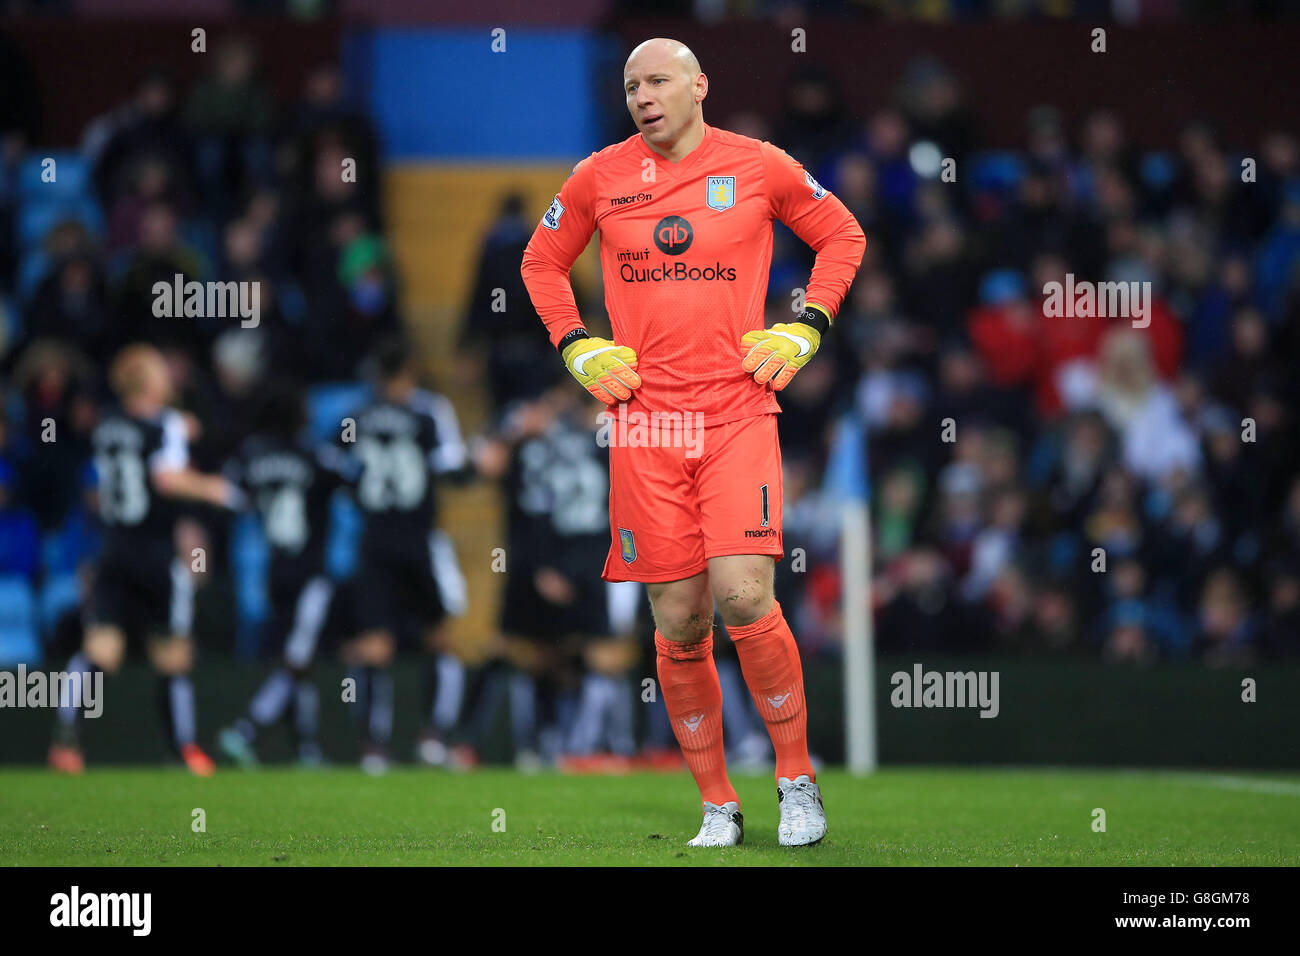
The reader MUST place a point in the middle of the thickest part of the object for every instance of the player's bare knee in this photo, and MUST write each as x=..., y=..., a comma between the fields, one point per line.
x=172, y=656
x=743, y=588
x=108, y=660
x=740, y=608
x=683, y=621
x=374, y=649
x=105, y=647
x=610, y=657
x=683, y=610
x=688, y=628
x=378, y=655
x=435, y=639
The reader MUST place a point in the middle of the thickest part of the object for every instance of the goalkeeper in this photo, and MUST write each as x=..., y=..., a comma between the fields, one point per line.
x=685, y=216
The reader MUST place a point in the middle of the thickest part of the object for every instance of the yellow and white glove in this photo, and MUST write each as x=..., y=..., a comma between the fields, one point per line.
x=775, y=354
x=606, y=370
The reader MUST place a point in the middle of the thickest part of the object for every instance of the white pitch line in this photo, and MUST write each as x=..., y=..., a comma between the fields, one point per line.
x=1282, y=788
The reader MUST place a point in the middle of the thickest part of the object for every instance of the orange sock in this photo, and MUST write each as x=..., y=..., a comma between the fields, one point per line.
x=693, y=696
x=769, y=659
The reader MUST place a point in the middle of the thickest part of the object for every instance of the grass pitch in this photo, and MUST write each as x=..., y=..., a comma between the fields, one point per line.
x=285, y=817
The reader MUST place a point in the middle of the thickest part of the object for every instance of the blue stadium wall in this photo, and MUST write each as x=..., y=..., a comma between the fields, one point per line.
x=449, y=95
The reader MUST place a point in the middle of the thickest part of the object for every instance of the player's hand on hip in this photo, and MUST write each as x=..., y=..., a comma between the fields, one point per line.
x=606, y=370
x=775, y=354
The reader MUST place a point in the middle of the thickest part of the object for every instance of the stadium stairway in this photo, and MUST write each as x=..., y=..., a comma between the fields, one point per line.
x=437, y=216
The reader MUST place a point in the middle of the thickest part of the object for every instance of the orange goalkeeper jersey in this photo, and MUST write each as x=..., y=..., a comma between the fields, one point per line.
x=685, y=250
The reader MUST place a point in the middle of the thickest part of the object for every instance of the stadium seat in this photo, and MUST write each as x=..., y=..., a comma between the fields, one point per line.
x=249, y=556
x=328, y=405
x=345, y=533
x=20, y=646
x=1157, y=170
x=20, y=543
x=17, y=601
x=11, y=320
x=72, y=176
x=292, y=302
x=19, y=641
x=36, y=219
x=64, y=548
x=202, y=236
x=996, y=172
x=60, y=594
x=33, y=268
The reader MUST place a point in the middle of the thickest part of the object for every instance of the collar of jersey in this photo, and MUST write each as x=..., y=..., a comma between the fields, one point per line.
x=687, y=161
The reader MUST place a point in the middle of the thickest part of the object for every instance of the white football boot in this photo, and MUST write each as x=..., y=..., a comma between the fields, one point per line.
x=723, y=826
x=803, y=818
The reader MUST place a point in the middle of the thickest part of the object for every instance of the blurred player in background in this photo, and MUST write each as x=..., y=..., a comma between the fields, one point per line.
x=408, y=580
x=142, y=588
x=289, y=482
x=558, y=618
x=685, y=216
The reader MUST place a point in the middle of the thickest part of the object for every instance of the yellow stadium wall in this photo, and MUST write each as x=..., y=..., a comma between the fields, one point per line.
x=438, y=216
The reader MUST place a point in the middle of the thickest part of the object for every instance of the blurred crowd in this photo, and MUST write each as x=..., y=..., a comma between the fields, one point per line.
x=215, y=183
x=1063, y=485
x=1053, y=483
x=219, y=182
x=1129, y=11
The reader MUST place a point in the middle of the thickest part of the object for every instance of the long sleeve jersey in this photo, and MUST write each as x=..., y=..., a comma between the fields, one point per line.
x=685, y=250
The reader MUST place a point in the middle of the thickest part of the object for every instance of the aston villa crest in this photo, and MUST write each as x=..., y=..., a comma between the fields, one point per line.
x=722, y=192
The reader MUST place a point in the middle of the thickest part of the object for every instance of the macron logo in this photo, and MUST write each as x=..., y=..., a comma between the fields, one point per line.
x=778, y=700
x=693, y=722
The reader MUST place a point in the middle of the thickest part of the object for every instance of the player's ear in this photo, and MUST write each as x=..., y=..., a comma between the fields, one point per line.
x=701, y=88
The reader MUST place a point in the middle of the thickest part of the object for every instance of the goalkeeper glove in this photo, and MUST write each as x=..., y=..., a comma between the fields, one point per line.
x=602, y=368
x=775, y=354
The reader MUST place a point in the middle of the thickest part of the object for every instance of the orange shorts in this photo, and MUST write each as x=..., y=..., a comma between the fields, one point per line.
x=717, y=491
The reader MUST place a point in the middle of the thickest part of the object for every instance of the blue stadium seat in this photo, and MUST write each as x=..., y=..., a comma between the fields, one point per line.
x=20, y=542
x=64, y=548
x=292, y=302
x=36, y=219
x=20, y=646
x=19, y=640
x=60, y=594
x=328, y=405
x=996, y=172
x=33, y=268
x=248, y=559
x=71, y=176
x=202, y=236
x=17, y=601
x=11, y=320
x=345, y=534
x=249, y=556
x=1157, y=170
